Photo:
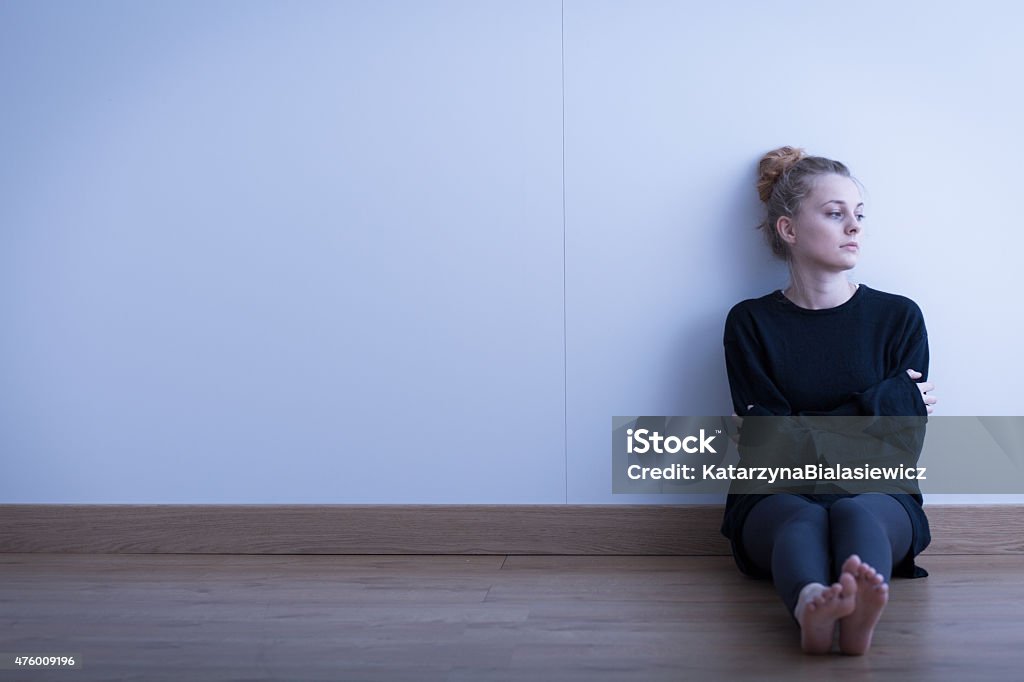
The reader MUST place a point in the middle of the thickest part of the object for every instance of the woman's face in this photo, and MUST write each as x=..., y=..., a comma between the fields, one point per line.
x=825, y=233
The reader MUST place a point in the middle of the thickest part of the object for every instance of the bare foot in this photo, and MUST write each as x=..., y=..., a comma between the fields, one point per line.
x=856, y=629
x=818, y=610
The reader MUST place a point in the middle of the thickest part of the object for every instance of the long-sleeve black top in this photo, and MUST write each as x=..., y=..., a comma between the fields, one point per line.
x=848, y=360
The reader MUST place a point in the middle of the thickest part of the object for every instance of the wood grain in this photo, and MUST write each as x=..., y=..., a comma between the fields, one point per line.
x=480, y=618
x=672, y=530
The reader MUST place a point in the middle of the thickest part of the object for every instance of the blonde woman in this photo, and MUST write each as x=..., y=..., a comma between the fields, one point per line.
x=825, y=346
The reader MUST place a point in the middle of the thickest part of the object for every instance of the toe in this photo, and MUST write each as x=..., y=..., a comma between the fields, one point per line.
x=874, y=576
x=847, y=584
x=852, y=564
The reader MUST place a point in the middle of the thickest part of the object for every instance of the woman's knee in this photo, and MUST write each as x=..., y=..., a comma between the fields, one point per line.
x=847, y=506
x=849, y=511
x=808, y=518
x=776, y=511
x=778, y=514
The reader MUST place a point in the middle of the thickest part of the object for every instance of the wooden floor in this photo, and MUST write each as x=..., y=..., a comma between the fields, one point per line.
x=537, y=618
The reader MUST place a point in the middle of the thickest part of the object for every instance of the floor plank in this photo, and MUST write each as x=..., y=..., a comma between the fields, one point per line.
x=455, y=618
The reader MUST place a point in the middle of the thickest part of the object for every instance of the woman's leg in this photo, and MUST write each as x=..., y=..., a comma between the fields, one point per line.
x=870, y=534
x=788, y=536
x=873, y=526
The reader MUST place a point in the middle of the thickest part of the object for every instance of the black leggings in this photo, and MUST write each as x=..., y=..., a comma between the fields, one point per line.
x=799, y=541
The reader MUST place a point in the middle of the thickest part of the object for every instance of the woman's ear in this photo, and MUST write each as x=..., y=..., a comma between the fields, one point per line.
x=785, y=228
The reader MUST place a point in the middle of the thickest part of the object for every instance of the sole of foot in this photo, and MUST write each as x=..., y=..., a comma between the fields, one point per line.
x=819, y=611
x=857, y=629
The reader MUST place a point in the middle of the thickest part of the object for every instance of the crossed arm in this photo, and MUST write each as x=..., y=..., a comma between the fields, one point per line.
x=924, y=387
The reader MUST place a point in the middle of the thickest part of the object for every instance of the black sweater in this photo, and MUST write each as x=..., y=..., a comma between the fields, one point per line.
x=848, y=360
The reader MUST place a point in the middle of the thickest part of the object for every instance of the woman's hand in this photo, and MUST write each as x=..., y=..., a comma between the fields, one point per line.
x=924, y=387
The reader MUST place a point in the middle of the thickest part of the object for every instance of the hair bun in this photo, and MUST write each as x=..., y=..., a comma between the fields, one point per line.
x=773, y=165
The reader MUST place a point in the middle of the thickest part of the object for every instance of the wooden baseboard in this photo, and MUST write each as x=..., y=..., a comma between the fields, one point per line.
x=433, y=529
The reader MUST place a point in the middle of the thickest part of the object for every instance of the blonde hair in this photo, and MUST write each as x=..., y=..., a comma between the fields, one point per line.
x=784, y=177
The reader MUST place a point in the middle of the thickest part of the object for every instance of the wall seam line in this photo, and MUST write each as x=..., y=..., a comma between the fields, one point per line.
x=565, y=353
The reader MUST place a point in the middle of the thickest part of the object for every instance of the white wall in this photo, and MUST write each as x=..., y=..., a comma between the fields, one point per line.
x=326, y=252
x=668, y=108
x=281, y=252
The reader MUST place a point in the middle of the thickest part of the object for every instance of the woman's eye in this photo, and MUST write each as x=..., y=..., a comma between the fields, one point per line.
x=835, y=214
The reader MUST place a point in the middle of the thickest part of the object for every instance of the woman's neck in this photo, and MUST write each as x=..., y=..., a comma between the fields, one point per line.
x=819, y=291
